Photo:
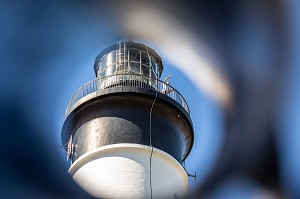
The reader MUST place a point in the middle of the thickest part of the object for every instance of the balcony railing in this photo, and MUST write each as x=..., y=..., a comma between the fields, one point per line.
x=121, y=80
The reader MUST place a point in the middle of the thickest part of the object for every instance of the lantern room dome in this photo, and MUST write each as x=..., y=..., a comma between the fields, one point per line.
x=128, y=57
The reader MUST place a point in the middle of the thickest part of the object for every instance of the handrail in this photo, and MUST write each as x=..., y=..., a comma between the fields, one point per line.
x=120, y=80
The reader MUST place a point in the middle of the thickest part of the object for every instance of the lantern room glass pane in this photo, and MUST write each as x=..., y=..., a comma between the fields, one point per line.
x=145, y=58
x=134, y=67
x=103, y=74
x=154, y=65
x=111, y=58
x=134, y=55
x=102, y=64
x=145, y=71
x=153, y=75
x=111, y=69
x=121, y=69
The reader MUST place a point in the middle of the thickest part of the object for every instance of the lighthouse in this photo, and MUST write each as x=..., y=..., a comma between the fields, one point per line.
x=127, y=133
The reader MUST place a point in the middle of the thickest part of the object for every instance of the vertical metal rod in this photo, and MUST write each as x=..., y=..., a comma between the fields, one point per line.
x=140, y=62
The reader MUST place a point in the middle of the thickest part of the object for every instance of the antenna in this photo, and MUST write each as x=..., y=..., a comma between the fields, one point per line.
x=188, y=174
x=193, y=176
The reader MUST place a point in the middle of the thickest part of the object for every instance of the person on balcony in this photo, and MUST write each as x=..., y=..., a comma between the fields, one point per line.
x=166, y=88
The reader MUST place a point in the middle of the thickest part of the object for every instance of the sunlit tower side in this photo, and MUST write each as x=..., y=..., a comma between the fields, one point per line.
x=127, y=133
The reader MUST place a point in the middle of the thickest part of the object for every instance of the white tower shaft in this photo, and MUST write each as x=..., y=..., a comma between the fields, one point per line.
x=124, y=171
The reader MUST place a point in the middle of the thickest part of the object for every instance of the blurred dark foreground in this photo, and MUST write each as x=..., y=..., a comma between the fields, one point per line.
x=256, y=41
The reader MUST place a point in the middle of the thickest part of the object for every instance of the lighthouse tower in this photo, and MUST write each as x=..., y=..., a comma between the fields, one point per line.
x=127, y=132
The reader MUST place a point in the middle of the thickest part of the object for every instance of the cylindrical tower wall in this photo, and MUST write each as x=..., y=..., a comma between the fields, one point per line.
x=125, y=171
x=125, y=118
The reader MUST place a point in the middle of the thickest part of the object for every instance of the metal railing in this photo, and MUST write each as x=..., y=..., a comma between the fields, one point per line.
x=121, y=80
